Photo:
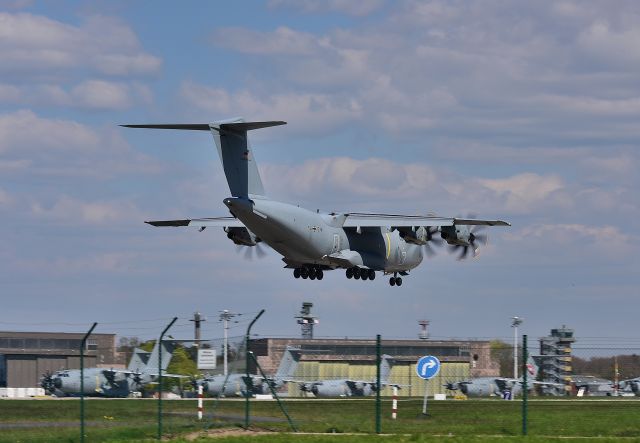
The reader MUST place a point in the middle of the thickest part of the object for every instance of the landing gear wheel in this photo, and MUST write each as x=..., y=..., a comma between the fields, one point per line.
x=319, y=274
x=312, y=273
x=349, y=273
x=364, y=274
x=356, y=273
x=304, y=273
x=372, y=274
x=296, y=272
x=398, y=281
x=392, y=281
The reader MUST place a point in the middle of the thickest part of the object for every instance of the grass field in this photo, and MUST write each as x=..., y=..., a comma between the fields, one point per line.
x=476, y=420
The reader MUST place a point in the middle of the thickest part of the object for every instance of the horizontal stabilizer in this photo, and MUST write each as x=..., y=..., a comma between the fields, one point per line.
x=187, y=126
x=237, y=127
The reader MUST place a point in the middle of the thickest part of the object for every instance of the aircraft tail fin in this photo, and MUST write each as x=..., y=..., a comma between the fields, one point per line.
x=288, y=364
x=152, y=362
x=230, y=137
x=385, y=368
x=532, y=368
x=139, y=360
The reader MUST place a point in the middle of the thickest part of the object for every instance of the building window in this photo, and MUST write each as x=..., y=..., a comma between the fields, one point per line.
x=92, y=344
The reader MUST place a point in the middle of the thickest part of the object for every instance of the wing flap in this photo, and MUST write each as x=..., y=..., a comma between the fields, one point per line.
x=222, y=222
x=363, y=220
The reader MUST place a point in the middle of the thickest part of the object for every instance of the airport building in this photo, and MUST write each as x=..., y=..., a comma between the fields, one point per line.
x=26, y=356
x=354, y=359
x=555, y=361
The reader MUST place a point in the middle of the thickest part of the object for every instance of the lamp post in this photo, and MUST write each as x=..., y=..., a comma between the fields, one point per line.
x=514, y=324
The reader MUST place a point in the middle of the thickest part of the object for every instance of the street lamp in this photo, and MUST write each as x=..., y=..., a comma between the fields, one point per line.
x=514, y=324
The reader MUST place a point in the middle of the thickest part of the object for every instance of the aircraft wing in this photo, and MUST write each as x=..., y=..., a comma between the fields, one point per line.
x=221, y=222
x=363, y=220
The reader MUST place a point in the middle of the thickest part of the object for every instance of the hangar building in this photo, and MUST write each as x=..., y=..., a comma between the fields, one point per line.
x=26, y=356
x=354, y=359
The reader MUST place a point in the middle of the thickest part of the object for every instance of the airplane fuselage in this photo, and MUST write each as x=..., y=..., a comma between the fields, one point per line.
x=306, y=237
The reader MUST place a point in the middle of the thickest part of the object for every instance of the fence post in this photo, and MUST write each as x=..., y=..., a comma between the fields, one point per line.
x=83, y=344
x=247, y=380
x=378, y=387
x=160, y=376
x=525, y=388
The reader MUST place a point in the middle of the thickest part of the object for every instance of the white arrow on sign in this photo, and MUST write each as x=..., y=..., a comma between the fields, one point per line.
x=430, y=364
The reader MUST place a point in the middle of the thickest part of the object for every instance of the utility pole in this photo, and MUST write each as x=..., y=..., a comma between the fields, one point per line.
x=225, y=316
x=197, y=319
x=514, y=324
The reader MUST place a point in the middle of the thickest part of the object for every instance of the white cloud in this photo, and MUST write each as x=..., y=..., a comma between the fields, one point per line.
x=36, y=145
x=282, y=40
x=575, y=241
x=310, y=112
x=73, y=211
x=5, y=198
x=34, y=45
x=89, y=94
x=524, y=193
x=359, y=8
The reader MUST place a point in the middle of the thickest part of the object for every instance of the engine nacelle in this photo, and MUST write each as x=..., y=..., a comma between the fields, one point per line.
x=242, y=236
x=456, y=235
x=417, y=237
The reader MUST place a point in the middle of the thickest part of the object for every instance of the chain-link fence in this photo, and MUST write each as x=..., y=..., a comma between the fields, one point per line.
x=585, y=387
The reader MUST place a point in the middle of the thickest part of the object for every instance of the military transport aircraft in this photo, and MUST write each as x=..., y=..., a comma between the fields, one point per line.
x=489, y=386
x=233, y=385
x=100, y=382
x=348, y=387
x=312, y=242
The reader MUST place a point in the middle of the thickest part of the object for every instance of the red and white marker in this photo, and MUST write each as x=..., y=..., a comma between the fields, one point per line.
x=394, y=403
x=200, y=407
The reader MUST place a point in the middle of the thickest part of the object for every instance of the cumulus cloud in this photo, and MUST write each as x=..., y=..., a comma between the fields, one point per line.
x=89, y=94
x=360, y=8
x=525, y=192
x=37, y=46
x=35, y=145
x=575, y=241
x=74, y=211
x=312, y=112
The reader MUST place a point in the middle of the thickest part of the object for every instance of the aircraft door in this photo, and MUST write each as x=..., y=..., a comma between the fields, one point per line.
x=336, y=243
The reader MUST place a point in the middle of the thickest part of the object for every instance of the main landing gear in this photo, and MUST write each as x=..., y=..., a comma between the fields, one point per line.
x=361, y=273
x=395, y=280
x=309, y=272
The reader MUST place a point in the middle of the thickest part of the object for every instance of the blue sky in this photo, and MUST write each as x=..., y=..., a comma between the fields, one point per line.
x=523, y=112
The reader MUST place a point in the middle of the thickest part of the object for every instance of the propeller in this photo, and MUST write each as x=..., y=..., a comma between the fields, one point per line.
x=251, y=252
x=47, y=382
x=475, y=239
x=431, y=240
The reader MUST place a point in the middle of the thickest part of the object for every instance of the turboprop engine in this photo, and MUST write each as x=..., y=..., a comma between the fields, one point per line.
x=242, y=236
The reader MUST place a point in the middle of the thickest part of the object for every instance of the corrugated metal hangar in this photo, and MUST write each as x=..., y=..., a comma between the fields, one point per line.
x=26, y=356
x=325, y=359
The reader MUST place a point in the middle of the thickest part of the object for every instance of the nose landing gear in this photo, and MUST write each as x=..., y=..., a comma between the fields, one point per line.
x=395, y=280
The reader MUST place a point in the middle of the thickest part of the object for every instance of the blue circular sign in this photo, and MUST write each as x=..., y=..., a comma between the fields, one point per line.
x=428, y=367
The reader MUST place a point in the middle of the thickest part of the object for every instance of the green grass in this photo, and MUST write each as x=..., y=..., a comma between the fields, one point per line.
x=475, y=420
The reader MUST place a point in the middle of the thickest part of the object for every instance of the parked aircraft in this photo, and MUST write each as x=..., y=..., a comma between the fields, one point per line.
x=142, y=369
x=347, y=387
x=630, y=385
x=233, y=385
x=312, y=242
x=486, y=386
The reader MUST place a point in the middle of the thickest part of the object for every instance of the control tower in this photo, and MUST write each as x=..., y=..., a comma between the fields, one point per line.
x=306, y=320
